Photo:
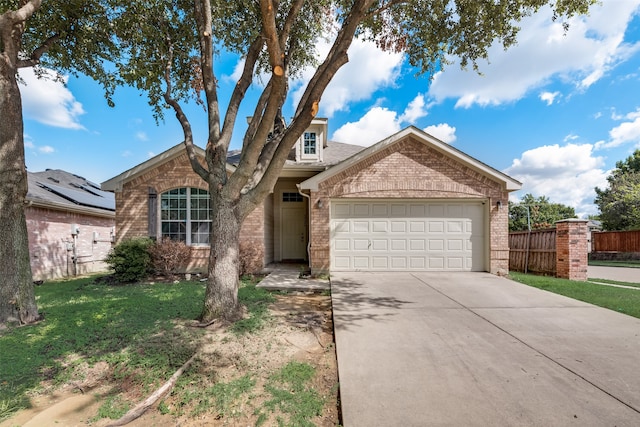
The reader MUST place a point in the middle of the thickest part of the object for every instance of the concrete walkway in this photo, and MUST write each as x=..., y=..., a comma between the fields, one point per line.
x=620, y=274
x=475, y=349
x=286, y=277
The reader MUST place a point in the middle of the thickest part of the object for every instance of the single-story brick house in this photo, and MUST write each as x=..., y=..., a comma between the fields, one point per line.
x=71, y=224
x=409, y=202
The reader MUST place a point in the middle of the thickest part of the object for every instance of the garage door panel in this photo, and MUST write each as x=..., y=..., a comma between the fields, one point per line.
x=380, y=245
x=379, y=226
x=342, y=244
x=361, y=226
x=417, y=226
x=398, y=226
x=360, y=244
x=407, y=235
x=436, y=227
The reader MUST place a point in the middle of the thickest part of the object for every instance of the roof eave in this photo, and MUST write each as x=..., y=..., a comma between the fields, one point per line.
x=509, y=183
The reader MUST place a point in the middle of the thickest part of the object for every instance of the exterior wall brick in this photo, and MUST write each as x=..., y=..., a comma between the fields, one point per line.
x=132, y=207
x=572, y=249
x=409, y=169
x=51, y=243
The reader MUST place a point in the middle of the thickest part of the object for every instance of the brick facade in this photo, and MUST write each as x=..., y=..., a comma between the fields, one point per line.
x=405, y=170
x=571, y=249
x=51, y=243
x=132, y=207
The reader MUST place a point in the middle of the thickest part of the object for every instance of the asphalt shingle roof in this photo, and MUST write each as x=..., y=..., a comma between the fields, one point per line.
x=64, y=188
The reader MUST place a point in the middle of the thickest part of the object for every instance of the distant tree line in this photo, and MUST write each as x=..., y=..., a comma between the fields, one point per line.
x=619, y=203
x=537, y=213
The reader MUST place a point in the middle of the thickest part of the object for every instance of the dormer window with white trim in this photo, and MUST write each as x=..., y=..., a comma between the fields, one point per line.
x=313, y=140
x=310, y=147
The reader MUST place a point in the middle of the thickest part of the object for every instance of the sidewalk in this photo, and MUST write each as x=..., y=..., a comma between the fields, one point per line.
x=620, y=274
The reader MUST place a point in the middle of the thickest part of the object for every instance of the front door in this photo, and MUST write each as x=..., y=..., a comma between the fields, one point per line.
x=294, y=231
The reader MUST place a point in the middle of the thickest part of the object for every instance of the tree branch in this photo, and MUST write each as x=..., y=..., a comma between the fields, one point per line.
x=182, y=118
x=271, y=33
x=216, y=146
x=34, y=58
x=243, y=84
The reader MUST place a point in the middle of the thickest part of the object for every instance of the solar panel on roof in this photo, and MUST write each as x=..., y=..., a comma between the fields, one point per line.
x=82, y=197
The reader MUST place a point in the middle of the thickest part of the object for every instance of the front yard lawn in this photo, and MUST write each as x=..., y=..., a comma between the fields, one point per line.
x=622, y=300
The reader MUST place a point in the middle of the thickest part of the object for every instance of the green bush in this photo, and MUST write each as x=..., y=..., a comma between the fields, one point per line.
x=130, y=259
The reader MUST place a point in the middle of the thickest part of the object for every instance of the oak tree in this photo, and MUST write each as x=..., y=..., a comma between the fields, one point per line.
x=173, y=47
x=64, y=35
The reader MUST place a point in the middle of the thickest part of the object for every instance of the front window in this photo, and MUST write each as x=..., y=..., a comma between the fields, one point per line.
x=310, y=143
x=186, y=215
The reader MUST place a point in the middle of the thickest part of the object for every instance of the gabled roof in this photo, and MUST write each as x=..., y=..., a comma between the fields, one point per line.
x=116, y=182
x=509, y=183
x=334, y=153
x=55, y=188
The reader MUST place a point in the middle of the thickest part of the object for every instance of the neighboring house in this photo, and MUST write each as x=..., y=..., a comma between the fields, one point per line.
x=409, y=202
x=70, y=222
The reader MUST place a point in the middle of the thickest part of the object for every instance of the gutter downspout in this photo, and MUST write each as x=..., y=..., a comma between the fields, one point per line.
x=308, y=224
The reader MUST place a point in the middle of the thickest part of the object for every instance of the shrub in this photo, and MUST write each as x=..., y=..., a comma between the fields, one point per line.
x=251, y=258
x=130, y=259
x=169, y=256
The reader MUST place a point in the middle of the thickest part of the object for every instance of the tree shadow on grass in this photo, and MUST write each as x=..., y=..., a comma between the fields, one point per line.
x=131, y=328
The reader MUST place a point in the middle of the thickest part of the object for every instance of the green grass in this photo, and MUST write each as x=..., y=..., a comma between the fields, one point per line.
x=257, y=301
x=627, y=263
x=138, y=330
x=291, y=395
x=129, y=327
x=622, y=300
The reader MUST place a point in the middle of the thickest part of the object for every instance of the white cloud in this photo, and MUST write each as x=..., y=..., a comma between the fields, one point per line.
x=48, y=101
x=46, y=149
x=374, y=126
x=593, y=45
x=443, y=132
x=126, y=153
x=28, y=142
x=368, y=70
x=549, y=97
x=626, y=132
x=415, y=110
x=565, y=174
x=142, y=136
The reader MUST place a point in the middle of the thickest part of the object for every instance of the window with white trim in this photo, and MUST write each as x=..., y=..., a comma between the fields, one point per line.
x=185, y=215
x=310, y=144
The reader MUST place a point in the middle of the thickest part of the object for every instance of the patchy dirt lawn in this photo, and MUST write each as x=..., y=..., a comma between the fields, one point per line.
x=235, y=381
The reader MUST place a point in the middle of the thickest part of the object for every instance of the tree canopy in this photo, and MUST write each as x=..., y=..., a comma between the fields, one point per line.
x=619, y=203
x=537, y=212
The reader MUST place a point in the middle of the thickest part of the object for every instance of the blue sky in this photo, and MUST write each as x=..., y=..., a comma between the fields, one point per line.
x=555, y=112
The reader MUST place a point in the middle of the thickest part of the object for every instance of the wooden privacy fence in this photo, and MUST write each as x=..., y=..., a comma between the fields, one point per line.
x=533, y=252
x=615, y=241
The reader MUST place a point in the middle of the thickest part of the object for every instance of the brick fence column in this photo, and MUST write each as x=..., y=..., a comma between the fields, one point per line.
x=571, y=249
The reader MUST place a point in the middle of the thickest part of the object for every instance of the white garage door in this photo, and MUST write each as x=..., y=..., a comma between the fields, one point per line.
x=407, y=235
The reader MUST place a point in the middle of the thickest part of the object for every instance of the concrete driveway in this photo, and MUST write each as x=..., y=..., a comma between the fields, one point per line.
x=466, y=349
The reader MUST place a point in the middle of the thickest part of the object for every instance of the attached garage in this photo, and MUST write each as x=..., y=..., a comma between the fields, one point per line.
x=407, y=235
x=409, y=203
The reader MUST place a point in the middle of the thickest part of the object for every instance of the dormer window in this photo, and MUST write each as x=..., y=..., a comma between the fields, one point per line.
x=310, y=144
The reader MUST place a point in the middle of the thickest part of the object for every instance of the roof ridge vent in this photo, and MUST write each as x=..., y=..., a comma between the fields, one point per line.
x=50, y=178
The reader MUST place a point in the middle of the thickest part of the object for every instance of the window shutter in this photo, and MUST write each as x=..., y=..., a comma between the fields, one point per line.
x=153, y=213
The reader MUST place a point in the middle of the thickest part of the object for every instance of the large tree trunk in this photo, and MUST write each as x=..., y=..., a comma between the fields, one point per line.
x=17, y=298
x=221, y=296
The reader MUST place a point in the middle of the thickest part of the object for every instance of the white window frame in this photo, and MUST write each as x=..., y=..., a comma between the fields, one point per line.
x=306, y=137
x=188, y=221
